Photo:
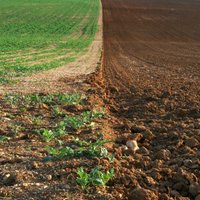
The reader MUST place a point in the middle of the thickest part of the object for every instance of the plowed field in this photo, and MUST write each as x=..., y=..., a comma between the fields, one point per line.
x=146, y=93
x=151, y=67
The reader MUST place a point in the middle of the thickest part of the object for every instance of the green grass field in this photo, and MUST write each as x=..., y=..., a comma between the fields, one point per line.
x=43, y=34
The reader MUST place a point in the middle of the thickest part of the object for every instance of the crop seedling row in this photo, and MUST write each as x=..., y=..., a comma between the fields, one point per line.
x=41, y=35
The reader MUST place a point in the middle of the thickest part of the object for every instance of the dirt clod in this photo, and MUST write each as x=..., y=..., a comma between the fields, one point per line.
x=192, y=142
x=138, y=129
x=194, y=189
x=144, y=151
x=164, y=154
x=141, y=193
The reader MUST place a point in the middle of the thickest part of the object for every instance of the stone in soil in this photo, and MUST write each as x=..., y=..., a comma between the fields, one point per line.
x=132, y=144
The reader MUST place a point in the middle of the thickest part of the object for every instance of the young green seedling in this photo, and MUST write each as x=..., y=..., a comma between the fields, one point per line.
x=47, y=135
x=94, y=178
x=4, y=139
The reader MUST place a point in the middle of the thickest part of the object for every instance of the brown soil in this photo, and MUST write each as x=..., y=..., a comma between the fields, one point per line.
x=151, y=71
x=149, y=84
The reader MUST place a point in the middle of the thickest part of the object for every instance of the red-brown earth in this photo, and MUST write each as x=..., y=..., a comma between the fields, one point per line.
x=151, y=69
x=149, y=85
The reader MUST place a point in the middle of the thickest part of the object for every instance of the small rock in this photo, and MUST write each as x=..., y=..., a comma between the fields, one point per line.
x=49, y=177
x=132, y=144
x=164, y=154
x=194, y=189
x=142, y=194
x=192, y=142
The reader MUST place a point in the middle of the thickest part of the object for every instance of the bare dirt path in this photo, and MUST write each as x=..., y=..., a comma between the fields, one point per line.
x=62, y=78
x=151, y=67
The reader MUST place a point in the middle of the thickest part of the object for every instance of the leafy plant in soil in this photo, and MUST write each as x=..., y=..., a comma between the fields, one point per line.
x=36, y=120
x=57, y=112
x=81, y=143
x=96, y=149
x=94, y=178
x=89, y=150
x=4, y=139
x=47, y=135
x=66, y=152
x=51, y=99
x=82, y=120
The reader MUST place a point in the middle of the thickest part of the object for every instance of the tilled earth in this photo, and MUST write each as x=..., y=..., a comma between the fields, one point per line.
x=151, y=68
x=149, y=86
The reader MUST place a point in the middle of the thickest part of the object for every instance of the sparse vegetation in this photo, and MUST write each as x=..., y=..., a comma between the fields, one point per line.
x=88, y=149
x=94, y=178
x=82, y=120
x=50, y=100
x=69, y=125
x=60, y=120
x=4, y=139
